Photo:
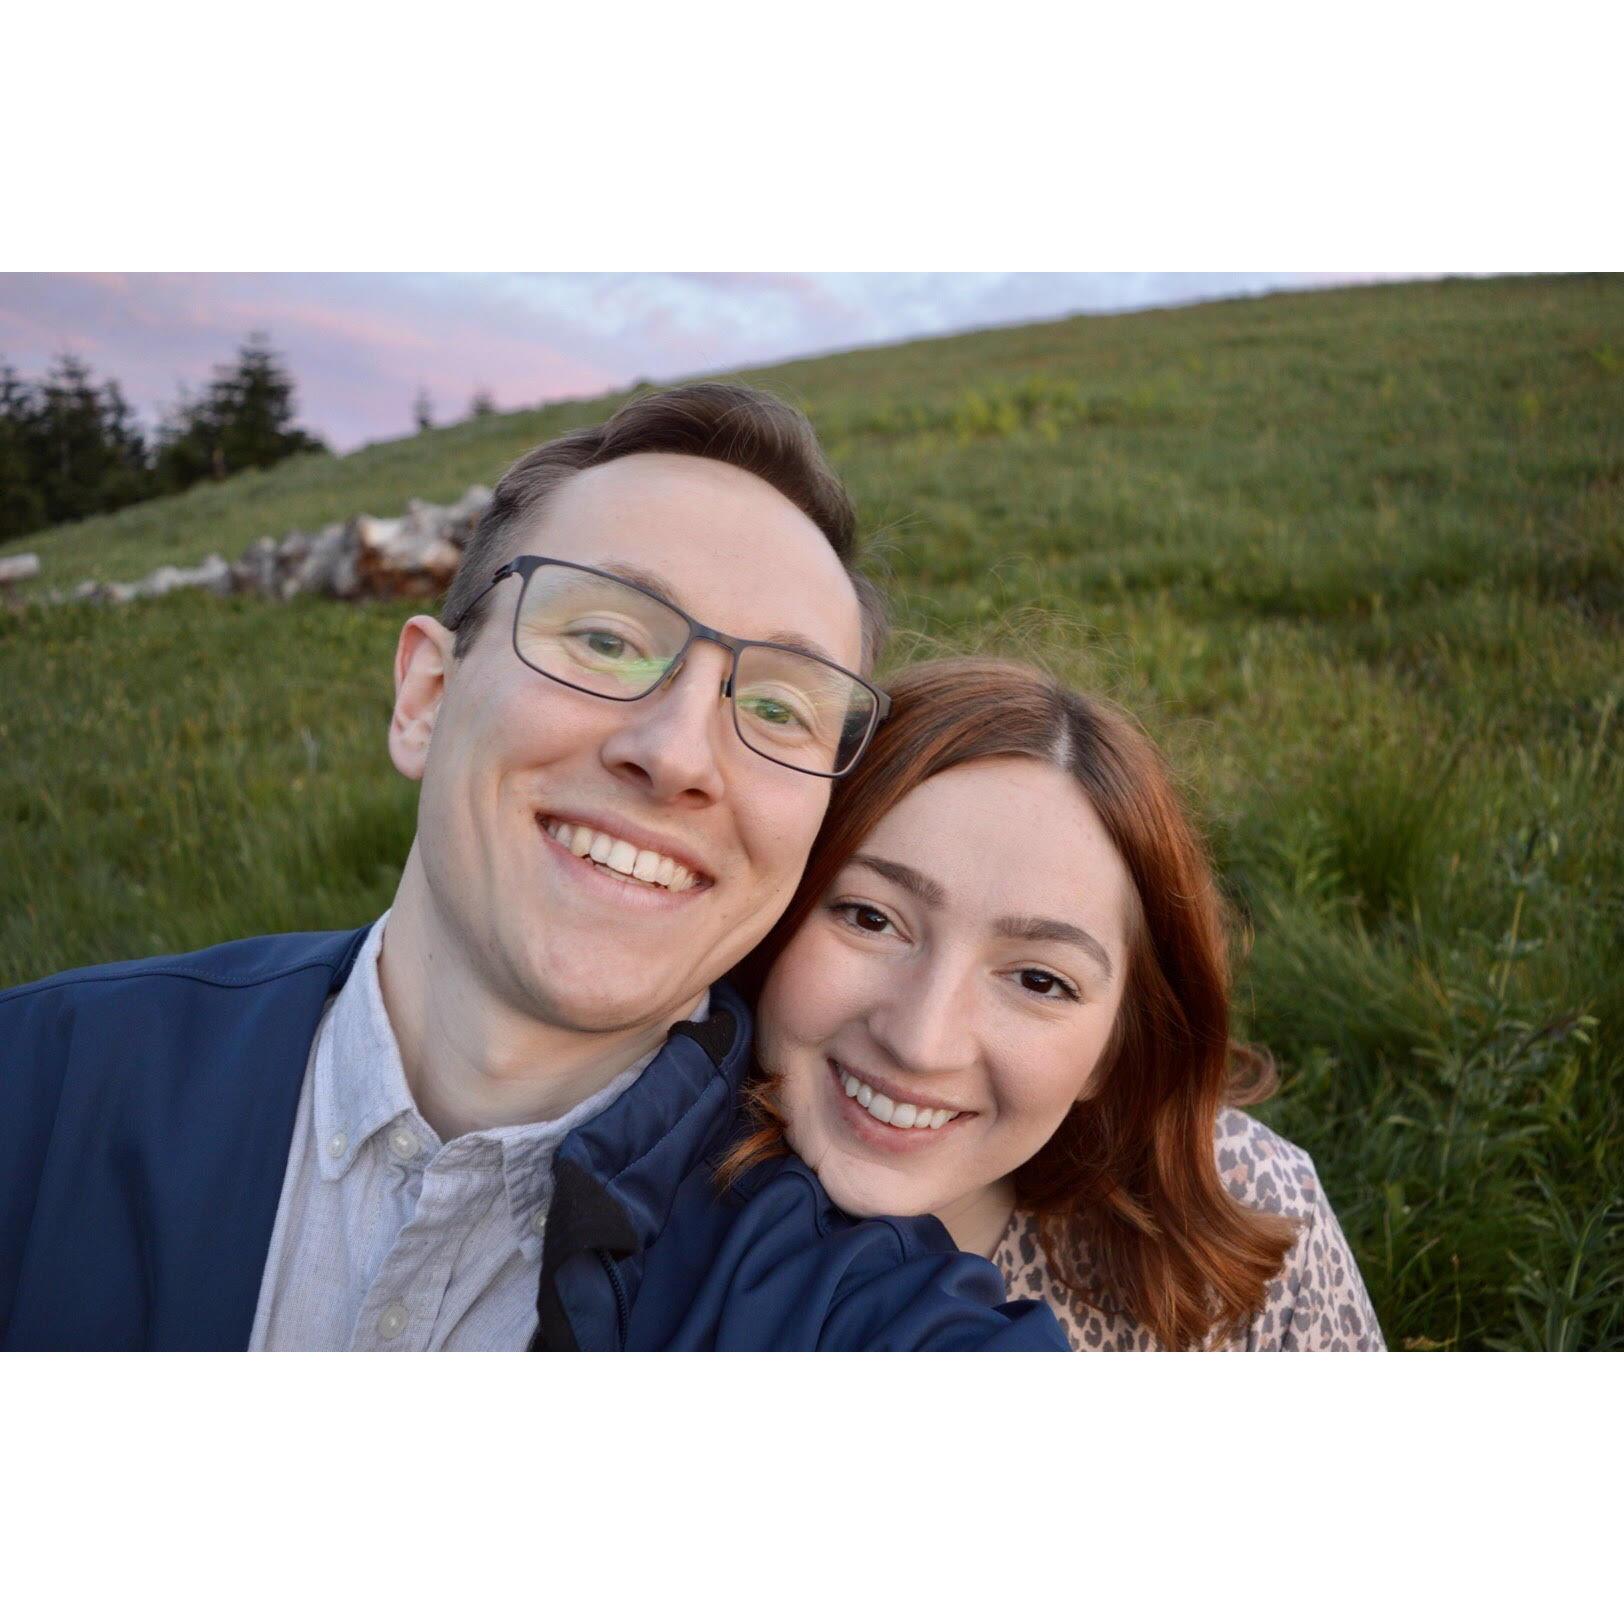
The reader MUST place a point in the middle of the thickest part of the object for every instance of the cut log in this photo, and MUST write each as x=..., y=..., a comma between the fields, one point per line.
x=214, y=573
x=413, y=556
x=255, y=571
x=403, y=558
x=321, y=566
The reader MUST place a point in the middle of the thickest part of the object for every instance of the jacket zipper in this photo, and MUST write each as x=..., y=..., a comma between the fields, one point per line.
x=622, y=1308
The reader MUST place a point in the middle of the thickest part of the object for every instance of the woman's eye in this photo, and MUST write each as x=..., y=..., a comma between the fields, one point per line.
x=606, y=644
x=1047, y=985
x=866, y=919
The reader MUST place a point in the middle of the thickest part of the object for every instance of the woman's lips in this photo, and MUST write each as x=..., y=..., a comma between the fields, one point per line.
x=871, y=1130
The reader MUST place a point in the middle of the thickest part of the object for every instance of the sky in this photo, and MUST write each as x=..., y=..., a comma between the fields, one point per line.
x=361, y=346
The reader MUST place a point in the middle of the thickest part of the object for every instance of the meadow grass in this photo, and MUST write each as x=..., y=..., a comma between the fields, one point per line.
x=1357, y=561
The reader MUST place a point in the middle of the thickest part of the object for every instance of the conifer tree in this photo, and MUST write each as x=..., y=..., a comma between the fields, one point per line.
x=71, y=448
x=21, y=509
x=243, y=420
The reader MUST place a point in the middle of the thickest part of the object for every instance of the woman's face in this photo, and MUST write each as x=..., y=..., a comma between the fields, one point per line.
x=967, y=965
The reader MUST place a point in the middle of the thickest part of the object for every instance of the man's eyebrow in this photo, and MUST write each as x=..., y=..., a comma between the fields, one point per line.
x=1027, y=928
x=910, y=879
x=636, y=575
x=803, y=645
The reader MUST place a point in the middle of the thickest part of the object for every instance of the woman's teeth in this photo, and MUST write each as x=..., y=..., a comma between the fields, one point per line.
x=620, y=855
x=899, y=1113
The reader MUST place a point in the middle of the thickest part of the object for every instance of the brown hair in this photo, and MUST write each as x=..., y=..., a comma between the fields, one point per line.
x=1131, y=1174
x=732, y=423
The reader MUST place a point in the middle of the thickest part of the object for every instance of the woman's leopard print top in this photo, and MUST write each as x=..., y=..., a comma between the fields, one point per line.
x=1317, y=1302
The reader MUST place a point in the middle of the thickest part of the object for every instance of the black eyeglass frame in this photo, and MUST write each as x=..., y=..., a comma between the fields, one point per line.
x=526, y=564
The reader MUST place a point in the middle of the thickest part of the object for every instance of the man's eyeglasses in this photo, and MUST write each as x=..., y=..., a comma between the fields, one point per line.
x=601, y=635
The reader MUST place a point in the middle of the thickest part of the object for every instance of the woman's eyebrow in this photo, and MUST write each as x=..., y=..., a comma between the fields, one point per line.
x=1029, y=929
x=910, y=879
x=1021, y=928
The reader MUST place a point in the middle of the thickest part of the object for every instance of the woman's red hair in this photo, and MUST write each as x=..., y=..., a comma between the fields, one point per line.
x=1130, y=1179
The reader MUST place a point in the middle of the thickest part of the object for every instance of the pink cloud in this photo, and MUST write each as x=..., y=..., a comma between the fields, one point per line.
x=361, y=345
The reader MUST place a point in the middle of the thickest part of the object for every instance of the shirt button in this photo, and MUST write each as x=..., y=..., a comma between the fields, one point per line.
x=392, y=1321
x=538, y=1223
x=403, y=1144
x=337, y=1145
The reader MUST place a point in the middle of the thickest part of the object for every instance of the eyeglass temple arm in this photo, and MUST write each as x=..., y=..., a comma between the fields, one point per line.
x=496, y=580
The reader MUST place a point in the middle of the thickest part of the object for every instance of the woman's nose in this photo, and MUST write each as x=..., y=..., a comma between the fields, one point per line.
x=928, y=1025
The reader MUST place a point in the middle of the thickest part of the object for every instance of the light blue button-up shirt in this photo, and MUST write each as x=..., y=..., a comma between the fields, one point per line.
x=387, y=1237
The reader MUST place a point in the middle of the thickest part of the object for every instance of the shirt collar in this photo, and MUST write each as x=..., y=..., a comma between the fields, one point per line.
x=360, y=1083
x=360, y=1089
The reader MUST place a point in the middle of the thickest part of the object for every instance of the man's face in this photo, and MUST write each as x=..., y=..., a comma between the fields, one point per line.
x=508, y=752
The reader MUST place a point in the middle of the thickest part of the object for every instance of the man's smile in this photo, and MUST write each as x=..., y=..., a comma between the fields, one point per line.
x=591, y=851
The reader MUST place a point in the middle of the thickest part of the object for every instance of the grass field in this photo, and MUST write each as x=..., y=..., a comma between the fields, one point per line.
x=1356, y=559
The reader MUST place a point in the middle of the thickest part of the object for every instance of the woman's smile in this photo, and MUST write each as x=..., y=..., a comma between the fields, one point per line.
x=888, y=1121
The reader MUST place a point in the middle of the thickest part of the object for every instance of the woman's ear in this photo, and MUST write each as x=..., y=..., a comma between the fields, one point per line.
x=422, y=658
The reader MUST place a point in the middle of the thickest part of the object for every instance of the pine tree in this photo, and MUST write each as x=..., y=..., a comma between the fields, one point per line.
x=423, y=412
x=70, y=447
x=21, y=509
x=83, y=449
x=129, y=472
x=243, y=420
x=258, y=411
x=188, y=446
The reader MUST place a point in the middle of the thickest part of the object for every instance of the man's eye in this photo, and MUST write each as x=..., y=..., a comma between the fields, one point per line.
x=606, y=644
x=774, y=712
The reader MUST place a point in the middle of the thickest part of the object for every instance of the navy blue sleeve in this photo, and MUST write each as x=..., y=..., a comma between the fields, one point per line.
x=777, y=1268
x=945, y=1302
x=36, y=1025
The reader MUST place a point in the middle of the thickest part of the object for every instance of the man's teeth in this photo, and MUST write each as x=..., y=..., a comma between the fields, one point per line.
x=899, y=1113
x=624, y=858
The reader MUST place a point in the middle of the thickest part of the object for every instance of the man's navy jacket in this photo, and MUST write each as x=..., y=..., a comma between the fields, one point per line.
x=146, y=1112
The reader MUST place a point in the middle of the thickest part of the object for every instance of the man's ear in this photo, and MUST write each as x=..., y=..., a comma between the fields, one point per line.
x=422, y=660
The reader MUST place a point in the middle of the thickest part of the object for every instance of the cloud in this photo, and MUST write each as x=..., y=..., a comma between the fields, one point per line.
x=361, y=345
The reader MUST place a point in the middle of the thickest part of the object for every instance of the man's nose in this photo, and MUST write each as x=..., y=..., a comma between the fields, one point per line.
x=673, y=739
x=927, y=1025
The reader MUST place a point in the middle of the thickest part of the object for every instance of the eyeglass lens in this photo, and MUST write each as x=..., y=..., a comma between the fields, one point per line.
x=609, y=638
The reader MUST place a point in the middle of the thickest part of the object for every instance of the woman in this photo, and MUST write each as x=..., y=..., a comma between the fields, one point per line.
x=1000, y=996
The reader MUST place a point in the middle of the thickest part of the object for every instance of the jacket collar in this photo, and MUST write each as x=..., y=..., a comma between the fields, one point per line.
x=640, y=1148
x=616, y=1178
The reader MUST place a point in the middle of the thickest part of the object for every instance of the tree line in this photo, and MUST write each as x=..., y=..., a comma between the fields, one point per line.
x=71, y=447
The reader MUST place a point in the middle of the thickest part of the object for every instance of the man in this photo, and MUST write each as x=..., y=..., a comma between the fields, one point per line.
x=465, y=1127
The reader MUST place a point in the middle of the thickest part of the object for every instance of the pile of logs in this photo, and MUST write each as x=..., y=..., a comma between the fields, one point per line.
x=414, y=556
x=14, y=570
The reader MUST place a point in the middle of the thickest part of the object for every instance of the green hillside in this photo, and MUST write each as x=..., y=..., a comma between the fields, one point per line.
x=1356, y=558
